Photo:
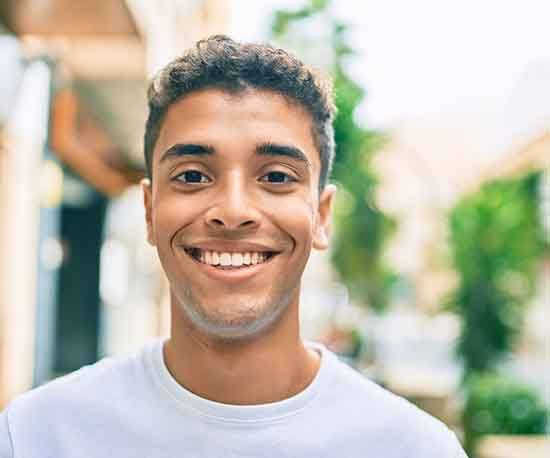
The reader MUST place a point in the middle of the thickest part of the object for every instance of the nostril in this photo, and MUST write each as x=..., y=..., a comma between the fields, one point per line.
x=217, y=222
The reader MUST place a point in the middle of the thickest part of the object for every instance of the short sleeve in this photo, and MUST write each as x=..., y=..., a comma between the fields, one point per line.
x=6, y=448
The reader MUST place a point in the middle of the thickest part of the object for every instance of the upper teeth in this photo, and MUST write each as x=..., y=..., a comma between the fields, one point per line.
x=224, y=259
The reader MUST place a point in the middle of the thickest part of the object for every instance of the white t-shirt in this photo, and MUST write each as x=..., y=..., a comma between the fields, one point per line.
x=133, y=408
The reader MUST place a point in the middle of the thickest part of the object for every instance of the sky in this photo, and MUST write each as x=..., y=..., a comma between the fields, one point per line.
x=428, y=56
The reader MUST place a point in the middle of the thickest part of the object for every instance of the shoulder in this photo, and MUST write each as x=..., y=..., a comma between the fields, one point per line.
x=369, y=409
x=87, y=380
x=91, y=388
x=74, y=409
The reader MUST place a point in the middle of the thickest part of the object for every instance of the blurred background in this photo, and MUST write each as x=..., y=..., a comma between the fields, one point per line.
x=437, y=284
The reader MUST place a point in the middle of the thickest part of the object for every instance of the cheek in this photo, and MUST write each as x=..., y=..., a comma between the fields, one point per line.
x=172, y=213
x=296, y=217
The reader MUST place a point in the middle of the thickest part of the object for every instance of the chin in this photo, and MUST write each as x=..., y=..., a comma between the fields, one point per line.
x=238, y=325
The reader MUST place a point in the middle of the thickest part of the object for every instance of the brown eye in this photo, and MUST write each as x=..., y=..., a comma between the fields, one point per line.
x=277, y=177
x=192, y=176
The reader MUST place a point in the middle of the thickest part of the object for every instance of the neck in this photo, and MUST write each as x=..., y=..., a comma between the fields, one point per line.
x=266, y=369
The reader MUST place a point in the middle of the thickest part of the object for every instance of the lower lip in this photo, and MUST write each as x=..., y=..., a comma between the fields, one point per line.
x=236, y=274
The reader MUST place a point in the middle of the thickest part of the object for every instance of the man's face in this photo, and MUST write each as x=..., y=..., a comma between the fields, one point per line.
x=234, y=209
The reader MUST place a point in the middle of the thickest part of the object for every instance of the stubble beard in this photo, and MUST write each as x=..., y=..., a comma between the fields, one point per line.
x=255, y=320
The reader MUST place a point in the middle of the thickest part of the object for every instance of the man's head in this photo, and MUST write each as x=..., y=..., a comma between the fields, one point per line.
x=235, y=206
x=219, y=62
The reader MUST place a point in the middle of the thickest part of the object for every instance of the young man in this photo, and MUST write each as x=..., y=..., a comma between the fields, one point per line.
x=238, y=145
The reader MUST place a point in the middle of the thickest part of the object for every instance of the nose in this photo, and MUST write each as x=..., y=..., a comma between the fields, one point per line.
x=234, y=208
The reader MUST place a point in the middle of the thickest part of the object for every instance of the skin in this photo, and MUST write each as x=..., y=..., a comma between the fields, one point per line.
x=237, y=341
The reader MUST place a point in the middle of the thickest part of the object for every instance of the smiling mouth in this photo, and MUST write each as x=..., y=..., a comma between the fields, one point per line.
x=230, y=260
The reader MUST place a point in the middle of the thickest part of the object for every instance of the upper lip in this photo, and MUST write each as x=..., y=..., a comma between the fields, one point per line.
x=230, y=247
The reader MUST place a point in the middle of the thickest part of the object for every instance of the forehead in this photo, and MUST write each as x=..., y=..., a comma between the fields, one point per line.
x=240, y=121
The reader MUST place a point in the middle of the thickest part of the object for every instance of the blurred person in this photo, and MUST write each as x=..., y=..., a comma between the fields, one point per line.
x=238, y=147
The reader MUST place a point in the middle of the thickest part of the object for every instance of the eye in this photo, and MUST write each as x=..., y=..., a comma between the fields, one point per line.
x=277, y=177
x=192, y=176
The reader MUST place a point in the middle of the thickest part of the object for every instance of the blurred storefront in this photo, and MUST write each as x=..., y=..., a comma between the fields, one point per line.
x=526, y=149
x=439, y=158
x=425, y=168
x=77, y=280
x=22, y=154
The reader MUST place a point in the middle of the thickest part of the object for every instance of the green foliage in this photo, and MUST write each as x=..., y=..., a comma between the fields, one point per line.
x=360, y=228
x=496, y=405
x=283, y=18
x=496, y=243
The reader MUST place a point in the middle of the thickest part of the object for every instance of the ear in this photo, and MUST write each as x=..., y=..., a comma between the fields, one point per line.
x=324, y=216
x=147, y=189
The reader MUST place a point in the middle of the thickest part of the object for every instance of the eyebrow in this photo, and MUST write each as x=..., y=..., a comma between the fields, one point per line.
x=186, y=149
x=274, y=149
x=264, y=149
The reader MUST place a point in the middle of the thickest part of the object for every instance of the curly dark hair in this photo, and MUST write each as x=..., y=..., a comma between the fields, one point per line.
x=222, y=63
